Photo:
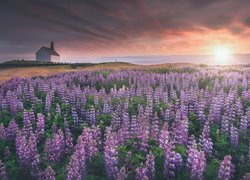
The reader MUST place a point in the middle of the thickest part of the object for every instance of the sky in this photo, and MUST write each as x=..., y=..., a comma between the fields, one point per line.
x=103, y=30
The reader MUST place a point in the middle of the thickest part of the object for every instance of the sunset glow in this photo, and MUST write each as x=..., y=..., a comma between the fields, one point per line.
x=222, y=54
x=87, y=30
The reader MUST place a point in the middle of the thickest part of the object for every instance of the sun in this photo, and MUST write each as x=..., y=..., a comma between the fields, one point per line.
x=222, y=54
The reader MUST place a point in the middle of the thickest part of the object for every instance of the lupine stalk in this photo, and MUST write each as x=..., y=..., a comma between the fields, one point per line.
x=226, y=169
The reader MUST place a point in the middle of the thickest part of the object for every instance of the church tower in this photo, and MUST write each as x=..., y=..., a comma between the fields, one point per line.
x=52, y=45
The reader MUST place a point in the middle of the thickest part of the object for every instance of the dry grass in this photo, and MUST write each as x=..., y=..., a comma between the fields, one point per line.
x=8, y=73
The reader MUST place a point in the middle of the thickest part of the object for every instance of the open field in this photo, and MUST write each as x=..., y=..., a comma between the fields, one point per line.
x=22, y=72
x=9, y=72
x=124, y=121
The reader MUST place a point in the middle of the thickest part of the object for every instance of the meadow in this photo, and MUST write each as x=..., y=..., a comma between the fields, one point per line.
x=125, y=122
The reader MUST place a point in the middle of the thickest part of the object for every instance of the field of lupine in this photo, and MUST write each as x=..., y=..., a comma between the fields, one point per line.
x=185, y=123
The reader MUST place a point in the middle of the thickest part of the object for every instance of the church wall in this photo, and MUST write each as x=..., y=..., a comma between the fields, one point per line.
x=42, y=55
x=55, y=59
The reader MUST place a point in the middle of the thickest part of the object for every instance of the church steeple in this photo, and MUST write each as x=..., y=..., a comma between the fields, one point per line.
x=52, y=45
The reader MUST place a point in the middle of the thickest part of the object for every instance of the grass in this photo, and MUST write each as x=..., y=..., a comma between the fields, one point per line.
x=23, y=69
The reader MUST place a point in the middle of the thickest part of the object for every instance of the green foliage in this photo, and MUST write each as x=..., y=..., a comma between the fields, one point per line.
x=138, y=156
x=182, y=150
x=5, y=117
x=212, y=169
x=19, y=118
x=181, y=175
x=239, y=90
x=159, y=159
x=95, y=166
x=60, y=168
x=27, y=104
x=194, y=125
x=205, y=82
x=220, y=141
x=90, y=102
x=104, y=120
x=133, y=105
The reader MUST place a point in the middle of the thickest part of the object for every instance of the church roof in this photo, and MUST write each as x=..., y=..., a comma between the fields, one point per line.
x=49, y=51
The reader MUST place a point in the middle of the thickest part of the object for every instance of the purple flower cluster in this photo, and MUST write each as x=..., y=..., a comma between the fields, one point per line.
x=142, y=110
x=172, y=163
x=55, y=147
x=205, y=141
x=76, y=166
x=110, y=153
x=226, y=168
x=234, y=136
x=196, y=163
x=26, y=149
x=90, y=137
x=146, y=171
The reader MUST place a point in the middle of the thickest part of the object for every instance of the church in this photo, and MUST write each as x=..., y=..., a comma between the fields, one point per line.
x=48, y=54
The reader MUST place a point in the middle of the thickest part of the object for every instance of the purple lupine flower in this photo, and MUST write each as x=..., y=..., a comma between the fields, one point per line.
x=172, y=162
x=21, y=149
x=167, y=115
x=2, y=132
x=35, y=167
x=48, y=101
x=75, y=116
x=122, y=174
x=164, y=139
x=205, y=141
x=48, y=116
x=12, y=129
x=32, y=115
x=196, y=163
x=91, y=115
x=157, y=97
x=154, y=130
x=244, y=124
x=90, y=137
x=76, y=166
x=40, y=125
x=141, y=173
x=3, y=174
x=68, y=137
x=234, y=136
x=73, y=168
x=106, y=107
x=192, y=142
x=55, y=147
x=123, y=133
x=134, y=126
x=225, y=124
x=54, y=128
x=49, y=174
x=239, y=108
x=226, y=169
x=180, y=131
x=26, y=148
x=150, y=165
x=27, y=125
x=32, y=146
x=144, y=141
x=110, y=153
x=58, y=110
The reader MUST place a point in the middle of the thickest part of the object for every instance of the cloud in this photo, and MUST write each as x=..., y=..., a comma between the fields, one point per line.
x=103, y=28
